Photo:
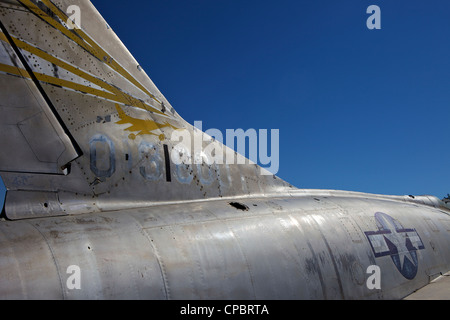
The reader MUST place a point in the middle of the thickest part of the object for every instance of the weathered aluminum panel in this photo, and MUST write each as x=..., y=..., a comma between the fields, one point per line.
x=31, y=204
x=154, y=254
x=28, y=268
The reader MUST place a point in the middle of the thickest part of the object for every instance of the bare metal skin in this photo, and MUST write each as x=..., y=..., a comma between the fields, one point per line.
x=87, y=162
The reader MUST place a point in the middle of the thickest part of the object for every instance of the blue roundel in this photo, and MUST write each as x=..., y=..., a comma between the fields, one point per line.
x=400, y=243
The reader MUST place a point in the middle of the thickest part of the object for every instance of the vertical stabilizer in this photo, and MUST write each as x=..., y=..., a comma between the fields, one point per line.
x=84, y=129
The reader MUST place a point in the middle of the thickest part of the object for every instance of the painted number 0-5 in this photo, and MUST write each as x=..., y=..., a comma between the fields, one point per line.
x=153, y=162
x=103, y=158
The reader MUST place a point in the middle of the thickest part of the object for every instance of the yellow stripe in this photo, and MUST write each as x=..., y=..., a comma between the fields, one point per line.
x=67, y=84
x=3, y=37
x=32, y=7
x=144, y=126
x=88, y=44
x=92, y=48
x=122, y=96
x=116, y=66
x=59, y=82
x=14, y=70
x=55, y=10
x=75, y=86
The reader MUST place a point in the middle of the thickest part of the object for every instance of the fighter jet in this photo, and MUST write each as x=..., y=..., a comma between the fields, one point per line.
x=103, y=203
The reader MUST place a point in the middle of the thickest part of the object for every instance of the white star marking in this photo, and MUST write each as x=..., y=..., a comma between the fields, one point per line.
x=399, y=240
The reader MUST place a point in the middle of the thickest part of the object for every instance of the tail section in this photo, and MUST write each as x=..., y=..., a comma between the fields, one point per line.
x=83, y=127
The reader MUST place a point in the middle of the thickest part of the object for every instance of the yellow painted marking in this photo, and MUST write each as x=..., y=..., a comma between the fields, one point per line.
x=13, y=70
x=84, y=41
x=55, y=10
x=68, y=33
x=3, y=37
x=98, y=52
x=120, y=95
x=112, y=93
x=115, y=65
x=75, y=86
x=64, y=83
x=56, y=81
x=143, y=126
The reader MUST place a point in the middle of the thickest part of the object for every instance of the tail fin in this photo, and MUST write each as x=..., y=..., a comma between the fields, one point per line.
x=83, y=127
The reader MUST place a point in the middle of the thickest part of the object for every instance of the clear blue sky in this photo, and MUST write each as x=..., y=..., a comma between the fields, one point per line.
x=358, y=109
